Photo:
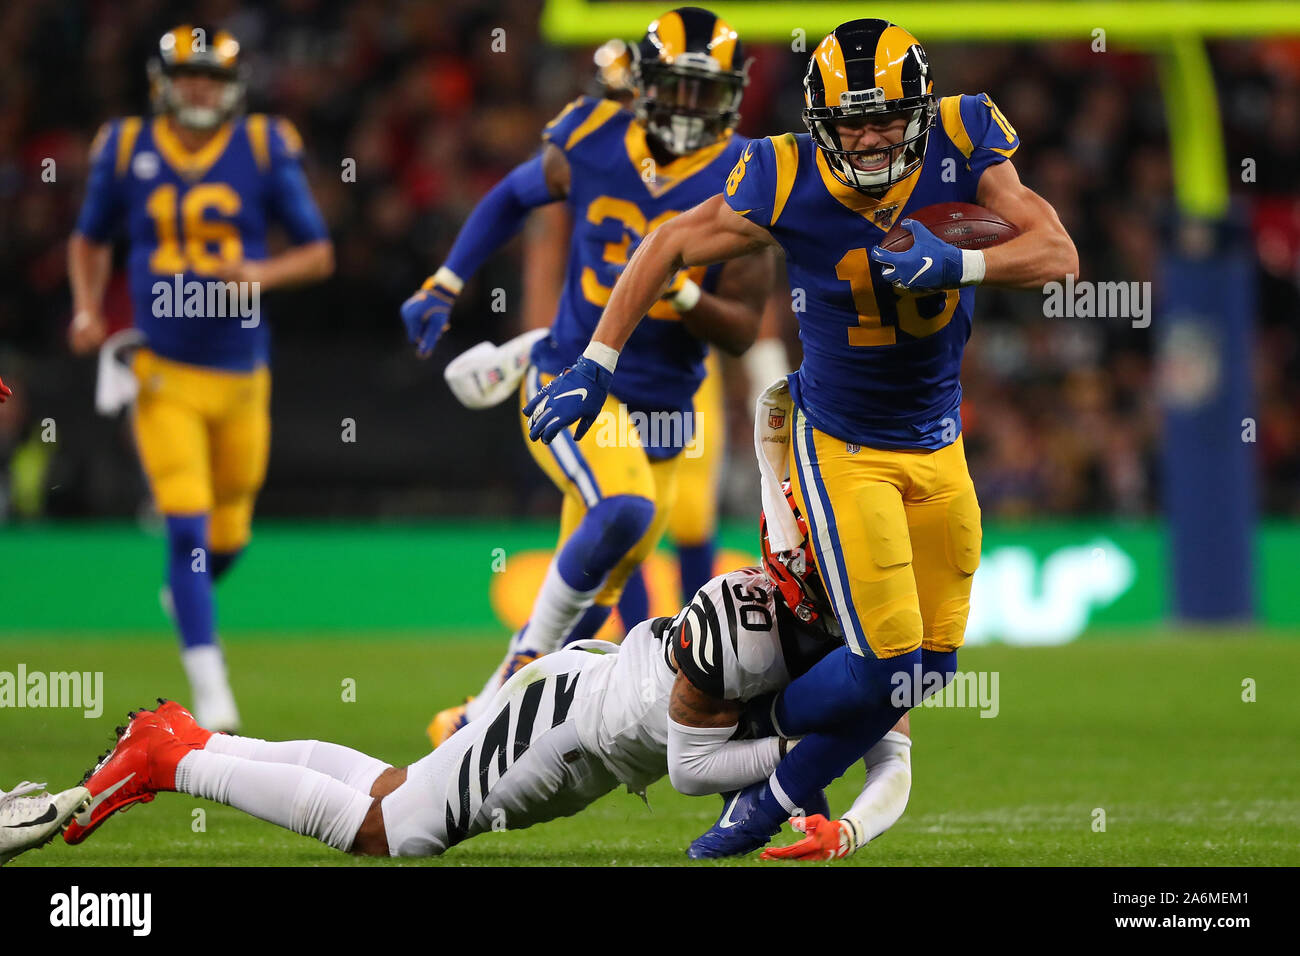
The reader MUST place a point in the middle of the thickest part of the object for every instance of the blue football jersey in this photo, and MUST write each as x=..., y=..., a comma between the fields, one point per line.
x=881, y=367
x=189, y=214
x=617, y=195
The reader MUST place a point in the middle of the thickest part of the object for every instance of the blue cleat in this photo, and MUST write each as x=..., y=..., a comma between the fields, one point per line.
x=738, y=831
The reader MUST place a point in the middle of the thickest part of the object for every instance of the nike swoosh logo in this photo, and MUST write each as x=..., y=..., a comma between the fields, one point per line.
x=726, y=823
x=83, y=816
x=928, y=262
x=580, y=392
x=50, y=814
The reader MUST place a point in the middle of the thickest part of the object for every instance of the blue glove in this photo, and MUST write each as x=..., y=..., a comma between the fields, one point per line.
x=425, y=315
x=575, y=395
x=930, y=264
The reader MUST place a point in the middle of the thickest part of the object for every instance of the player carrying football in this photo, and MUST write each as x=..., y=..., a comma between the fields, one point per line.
x=623, y=174
x=195, y=190
x=561, y=733
x=875, y=452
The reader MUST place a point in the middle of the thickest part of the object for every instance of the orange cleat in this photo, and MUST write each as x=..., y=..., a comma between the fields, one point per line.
x=182, y=723
x=447, y=722
x=825, y=840
x=517, y=662
x=141, y=763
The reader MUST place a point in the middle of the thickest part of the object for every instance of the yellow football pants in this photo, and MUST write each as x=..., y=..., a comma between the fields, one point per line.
x=896, y=535
x=694, y=517
x=204, y=436
x=608, y=461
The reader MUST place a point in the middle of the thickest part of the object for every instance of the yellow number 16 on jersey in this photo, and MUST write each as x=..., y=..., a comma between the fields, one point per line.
x=918, y=316
x=184, y=240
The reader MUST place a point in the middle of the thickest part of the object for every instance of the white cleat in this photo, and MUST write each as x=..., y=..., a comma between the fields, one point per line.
x=28, y=821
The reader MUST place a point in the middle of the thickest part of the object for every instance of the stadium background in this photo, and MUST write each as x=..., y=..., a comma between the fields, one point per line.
x=1062, y=416
x=375, y=559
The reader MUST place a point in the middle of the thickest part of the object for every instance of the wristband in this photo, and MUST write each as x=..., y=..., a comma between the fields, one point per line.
x=687, y=297
x=447, y=279
x=972, y=267
x=602, y=355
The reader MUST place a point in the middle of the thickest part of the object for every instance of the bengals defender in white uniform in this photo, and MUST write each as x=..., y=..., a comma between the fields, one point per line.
x=562, y=732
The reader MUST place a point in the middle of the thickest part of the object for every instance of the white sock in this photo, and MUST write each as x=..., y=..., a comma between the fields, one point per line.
x=297, y=798
x=359, y=771
x=889, y=783
x=556, y=609
x=213, y=701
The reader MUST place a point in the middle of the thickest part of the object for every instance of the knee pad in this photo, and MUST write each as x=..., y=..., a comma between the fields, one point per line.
x=620, y=523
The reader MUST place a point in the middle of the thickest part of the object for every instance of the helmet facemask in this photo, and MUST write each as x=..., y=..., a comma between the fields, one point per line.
x=869, y=106
x=688, y=104
x=167, y=99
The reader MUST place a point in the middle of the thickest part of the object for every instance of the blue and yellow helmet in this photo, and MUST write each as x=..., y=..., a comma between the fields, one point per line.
x=863, y=70
x=200, y=50
x=690, y=73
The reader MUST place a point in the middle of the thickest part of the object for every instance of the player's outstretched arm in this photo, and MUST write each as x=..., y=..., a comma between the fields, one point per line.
x=709, y=233
x=1043, y=252
x=89, y=266
x=702, y=756
x=496, y=220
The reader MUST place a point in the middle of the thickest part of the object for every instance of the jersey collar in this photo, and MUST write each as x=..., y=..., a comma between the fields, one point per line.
x=190, y=165
x=667, y=176
x=882, y=212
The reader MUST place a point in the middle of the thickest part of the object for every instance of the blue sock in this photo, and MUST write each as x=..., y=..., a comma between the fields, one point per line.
x=842, y=687
x=191, y=589
x=696, y=563
x=823, y=756
x=634, y=604
x=591, y=621
x=219, y=562
x=607, y=532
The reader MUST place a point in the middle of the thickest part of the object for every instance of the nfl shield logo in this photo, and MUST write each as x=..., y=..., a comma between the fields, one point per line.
x=884, y=215
x=853, y=449
x=776, y=419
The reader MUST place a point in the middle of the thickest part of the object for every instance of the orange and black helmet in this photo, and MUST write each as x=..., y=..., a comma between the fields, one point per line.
x=794, y=573
x=206, y=51
x=690, y=74
x=870, y=71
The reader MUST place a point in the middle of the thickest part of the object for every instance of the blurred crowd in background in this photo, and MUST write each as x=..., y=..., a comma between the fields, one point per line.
x=1061, y=415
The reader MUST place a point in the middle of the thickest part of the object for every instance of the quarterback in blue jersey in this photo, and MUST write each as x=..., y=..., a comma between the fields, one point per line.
x=623, y=173
x=195, y=191
x=876, y=455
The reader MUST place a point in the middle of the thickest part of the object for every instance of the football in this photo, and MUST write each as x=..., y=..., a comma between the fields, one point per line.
x=960, y=224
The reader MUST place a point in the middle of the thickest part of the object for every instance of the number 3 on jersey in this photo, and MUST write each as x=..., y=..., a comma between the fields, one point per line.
x=184, y=241
x=918, y=316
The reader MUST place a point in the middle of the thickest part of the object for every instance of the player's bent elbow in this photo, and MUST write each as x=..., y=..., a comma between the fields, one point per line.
x=686, y=781
x=325, y=260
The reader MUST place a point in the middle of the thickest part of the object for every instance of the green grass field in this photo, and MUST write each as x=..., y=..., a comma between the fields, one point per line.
x=1155, y=733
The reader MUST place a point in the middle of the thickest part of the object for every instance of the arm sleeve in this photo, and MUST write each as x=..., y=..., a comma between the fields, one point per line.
x=102, y=207
x=498, y=217
x=751, y=187
x=992, y=138
x=704, y=760
x=291, y=198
